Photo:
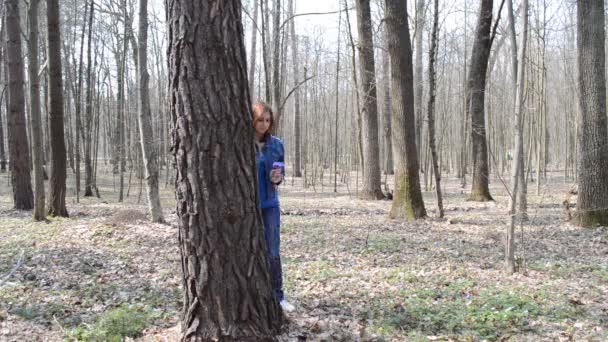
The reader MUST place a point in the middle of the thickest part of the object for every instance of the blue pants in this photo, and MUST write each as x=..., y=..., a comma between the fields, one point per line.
x=272, y=227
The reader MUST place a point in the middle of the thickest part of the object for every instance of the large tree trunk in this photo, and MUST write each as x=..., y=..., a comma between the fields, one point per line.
x=407, y=202
x=38, y=160
x=475, y=96
x=58, y=156
x=148, y=144
x=592, y=204
x=227, y=288
x=17, y=133
x=371, y=188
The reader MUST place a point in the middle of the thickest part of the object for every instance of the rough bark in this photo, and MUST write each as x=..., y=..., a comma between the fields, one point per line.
x=407, y=199
x=592, y=204
x=146, y=133
x=371, y=187
x=19, y=152
x=35, y=117
x=227, y=289
x=56, y=205
x=3, y=96
x=475, y=97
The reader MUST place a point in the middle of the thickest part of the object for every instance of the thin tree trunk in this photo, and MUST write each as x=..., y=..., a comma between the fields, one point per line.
x=19, y=152
x=297, y=168
x=146, y=132
x=253, y=53
x=36, y=121
x=407, y=200
x=431, y=108
x=386, y=110
x=87, y=139
x=418, y=83
x=227, y=290
x=57, y=186
x=518, y=142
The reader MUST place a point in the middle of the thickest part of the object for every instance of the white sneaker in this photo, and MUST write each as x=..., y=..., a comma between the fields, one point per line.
x=287, y=306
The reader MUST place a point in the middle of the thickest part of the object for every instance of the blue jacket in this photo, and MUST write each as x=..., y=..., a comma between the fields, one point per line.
x=272, y=151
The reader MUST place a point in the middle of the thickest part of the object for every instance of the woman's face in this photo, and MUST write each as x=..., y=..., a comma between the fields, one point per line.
x=262, y=125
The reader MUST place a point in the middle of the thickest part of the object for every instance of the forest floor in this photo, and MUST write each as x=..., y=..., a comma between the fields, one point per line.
x=352, y=273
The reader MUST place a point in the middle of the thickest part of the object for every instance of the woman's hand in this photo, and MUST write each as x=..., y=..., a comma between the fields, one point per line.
x=276, y=176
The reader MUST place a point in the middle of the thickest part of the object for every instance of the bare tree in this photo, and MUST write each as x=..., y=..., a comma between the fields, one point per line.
x=475, y=97
x=518, y=142
x=19, y=153
x=227, y=290
x=56, y=205
x=36, y=121
x=592, y=204
x=431, y=107
x=148, y=146
x=407, y=202
x=372, y=188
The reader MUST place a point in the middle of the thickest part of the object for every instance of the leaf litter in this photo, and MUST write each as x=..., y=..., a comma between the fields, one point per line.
x=353, y=274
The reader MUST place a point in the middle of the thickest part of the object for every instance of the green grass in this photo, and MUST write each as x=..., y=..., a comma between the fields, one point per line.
x=113, y=326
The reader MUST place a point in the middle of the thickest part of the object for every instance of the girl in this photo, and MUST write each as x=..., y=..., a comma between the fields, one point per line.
x=269, y=158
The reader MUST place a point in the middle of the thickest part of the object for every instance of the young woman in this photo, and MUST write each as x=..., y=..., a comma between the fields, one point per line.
x=270, y=157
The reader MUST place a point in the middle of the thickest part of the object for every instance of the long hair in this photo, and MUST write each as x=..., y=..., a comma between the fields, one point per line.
x=259, y=109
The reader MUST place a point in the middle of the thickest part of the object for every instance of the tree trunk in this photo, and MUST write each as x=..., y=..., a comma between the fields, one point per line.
x=227, y=289
x=87, y=138
x=518, y=142
x=17, y=132
x=386, y=110
x=407, y=200
x=146, y=133
x=431, y=108
x=592, y=204
x=475, y=97
x=371, y=188
x=57, y=185
x=418, y=83
x=4, y=97
x=297, y=123
x=253, y=53
x=276, y=65
x=36, y=121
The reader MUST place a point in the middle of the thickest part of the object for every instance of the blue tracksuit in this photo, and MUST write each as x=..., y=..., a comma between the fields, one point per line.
x=272, y=151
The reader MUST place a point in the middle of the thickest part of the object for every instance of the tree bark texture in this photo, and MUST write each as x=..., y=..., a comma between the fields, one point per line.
x=371, y=187
x=57, y=187
x=19, y=151
x=407, y=199
x=475, y=97
x=592, y=204
x=227, y=288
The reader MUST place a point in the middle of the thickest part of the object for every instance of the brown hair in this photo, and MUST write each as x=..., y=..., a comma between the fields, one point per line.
x=259, y=109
